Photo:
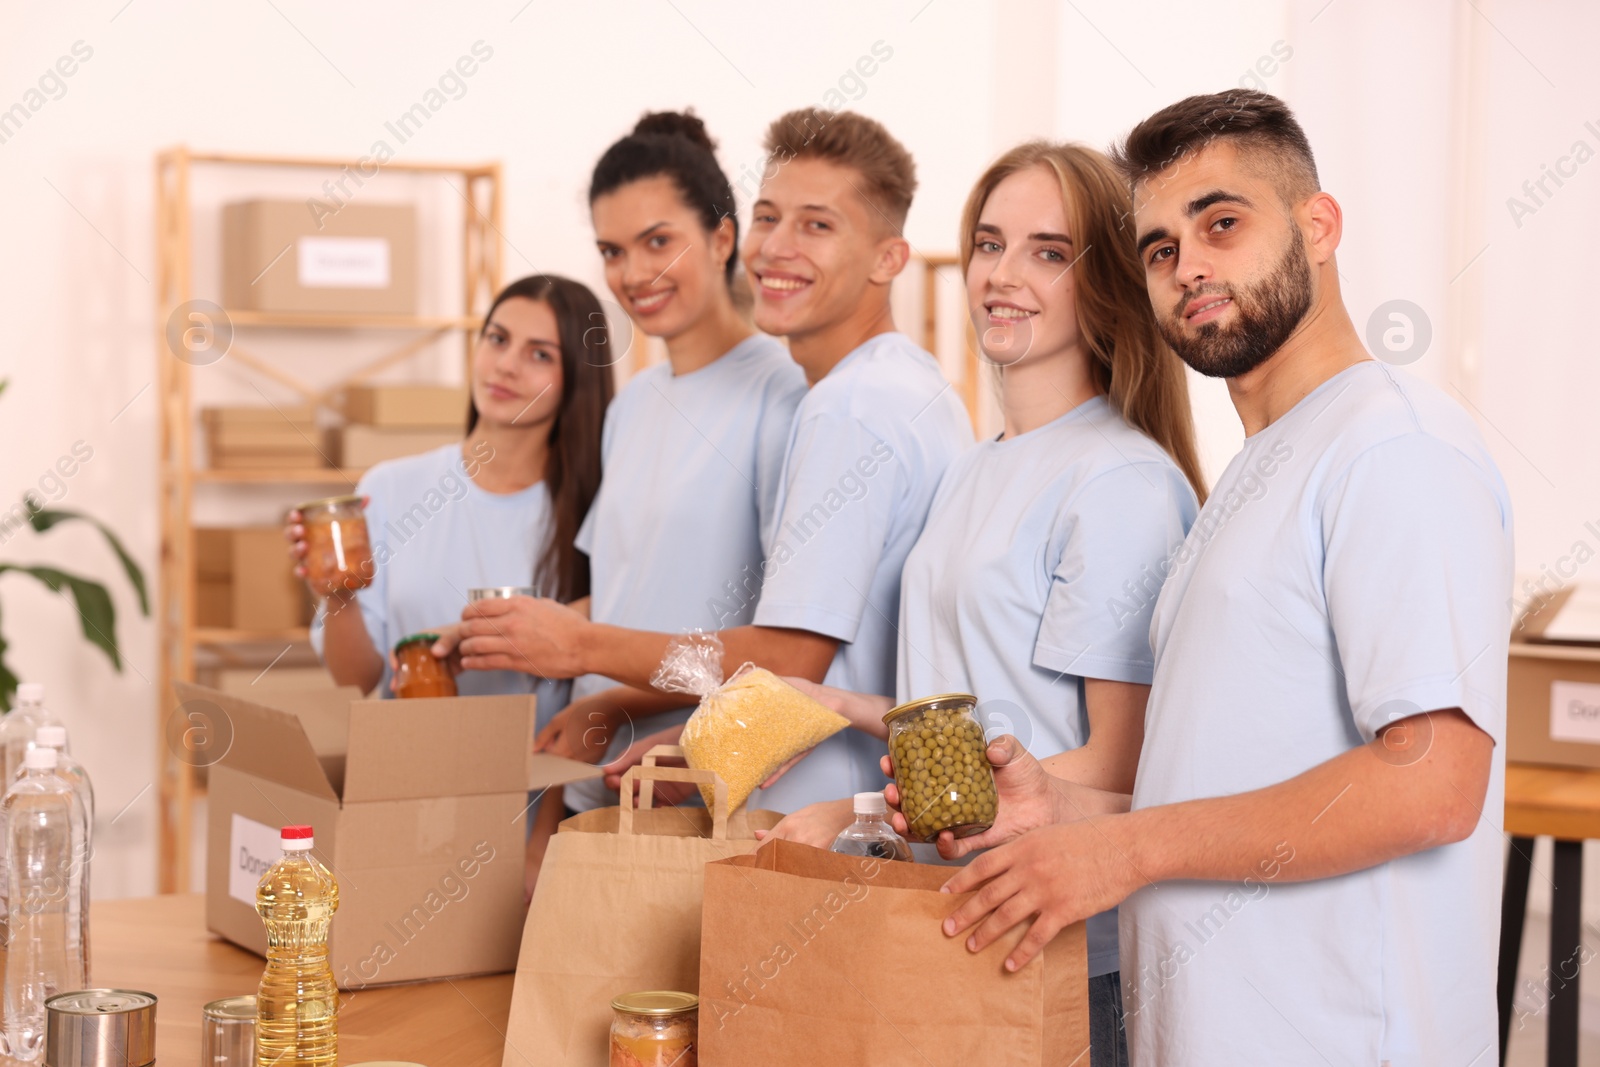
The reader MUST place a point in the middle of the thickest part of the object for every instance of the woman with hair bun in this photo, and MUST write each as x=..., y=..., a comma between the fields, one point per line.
x=693, y=447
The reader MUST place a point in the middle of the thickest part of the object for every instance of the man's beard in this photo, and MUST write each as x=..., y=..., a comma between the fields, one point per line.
x=1268, y=313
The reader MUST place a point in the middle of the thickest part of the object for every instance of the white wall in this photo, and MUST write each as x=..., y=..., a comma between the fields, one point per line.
x=1425, y=117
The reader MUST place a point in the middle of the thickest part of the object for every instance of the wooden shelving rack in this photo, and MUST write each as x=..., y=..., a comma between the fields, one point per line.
x=482, y=259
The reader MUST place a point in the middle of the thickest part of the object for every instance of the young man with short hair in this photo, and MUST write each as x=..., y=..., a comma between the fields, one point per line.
x=870, y=441
x=1306, y=874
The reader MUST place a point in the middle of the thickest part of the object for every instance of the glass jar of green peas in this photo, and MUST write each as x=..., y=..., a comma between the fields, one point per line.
x=941, y=766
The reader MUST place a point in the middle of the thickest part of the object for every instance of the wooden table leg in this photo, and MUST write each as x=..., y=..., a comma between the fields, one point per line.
x=1566, y=951
x=1513, y=910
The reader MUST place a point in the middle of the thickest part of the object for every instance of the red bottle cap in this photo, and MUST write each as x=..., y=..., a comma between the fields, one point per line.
x=296, y=832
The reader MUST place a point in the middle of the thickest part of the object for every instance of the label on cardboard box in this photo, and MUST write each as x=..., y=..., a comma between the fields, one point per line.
x=343, y=262
x=1575, y=712
x=252, y=848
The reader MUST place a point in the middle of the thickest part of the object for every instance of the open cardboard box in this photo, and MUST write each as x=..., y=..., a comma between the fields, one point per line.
x=418, y=807
x=1553, y=681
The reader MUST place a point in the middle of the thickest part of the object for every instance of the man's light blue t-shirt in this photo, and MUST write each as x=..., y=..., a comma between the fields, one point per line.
x=869, y=445
x=1351, y=568
x=690, y=476
x=435, y=534
x=1035, y=571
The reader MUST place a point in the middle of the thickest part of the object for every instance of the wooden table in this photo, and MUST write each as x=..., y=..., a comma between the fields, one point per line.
x=1562, y=804
x=160, y=945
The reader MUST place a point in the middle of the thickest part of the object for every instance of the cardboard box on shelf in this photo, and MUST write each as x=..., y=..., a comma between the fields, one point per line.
x=244, y=580
x=246, y=438
x=1553, y=681
x=409, y=406
x=418, y=807
x=361, y=446
x=279, y=257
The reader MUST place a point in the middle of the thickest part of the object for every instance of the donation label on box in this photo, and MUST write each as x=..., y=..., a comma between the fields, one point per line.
x=343, y=262
x=252, y=848
x=1575, y=712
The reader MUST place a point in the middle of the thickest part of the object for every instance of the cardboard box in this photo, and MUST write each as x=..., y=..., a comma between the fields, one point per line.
x=278, y=256
x=247, y=438
x=244, y=581
x=1553, y=684
x=413, y=406
x=418, y=807
x=362, y=446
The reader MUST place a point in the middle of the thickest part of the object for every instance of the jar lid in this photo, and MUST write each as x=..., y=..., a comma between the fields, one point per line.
x=329, y=502
x=112, y=1027
x=412, y=639
x=933, y=703
x=656, y=1002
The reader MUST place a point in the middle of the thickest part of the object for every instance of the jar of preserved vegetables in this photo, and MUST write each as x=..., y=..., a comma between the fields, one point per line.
x=418, y=673
x=941, y=766
x=655, y=1029
x=338, y=553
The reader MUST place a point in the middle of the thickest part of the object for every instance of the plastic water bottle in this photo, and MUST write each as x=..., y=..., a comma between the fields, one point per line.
x=70, y=769
x=20, y=724
x=45, y=829
x=871, y=834
x=297, y=1005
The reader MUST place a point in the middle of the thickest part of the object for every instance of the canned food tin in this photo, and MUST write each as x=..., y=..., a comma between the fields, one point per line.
x=100, y=1028
x=941, y=766
x=500, y=592
x=228, y=1032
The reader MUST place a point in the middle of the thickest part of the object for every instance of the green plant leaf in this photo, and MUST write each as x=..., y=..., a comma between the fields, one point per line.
x=45, y=518
x=95, y=610
x=8, y=681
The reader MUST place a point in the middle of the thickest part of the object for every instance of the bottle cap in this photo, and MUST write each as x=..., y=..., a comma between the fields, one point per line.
x=296, y=838
x=51, y=737
x=871, y=804
x=30, y=693
x=40, y=759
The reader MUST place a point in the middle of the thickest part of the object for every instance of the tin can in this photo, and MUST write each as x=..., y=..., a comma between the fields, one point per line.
x=500, y=592
x=228, y=1032
x=941, y=766
x=338, y=552
x=655, y=1029
x=100, y=1028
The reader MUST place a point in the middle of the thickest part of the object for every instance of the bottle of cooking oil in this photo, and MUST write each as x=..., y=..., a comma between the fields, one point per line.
x=296, y=1021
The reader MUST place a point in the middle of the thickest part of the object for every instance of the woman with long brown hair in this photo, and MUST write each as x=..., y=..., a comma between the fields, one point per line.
x=499, y=508
x=1033, y=582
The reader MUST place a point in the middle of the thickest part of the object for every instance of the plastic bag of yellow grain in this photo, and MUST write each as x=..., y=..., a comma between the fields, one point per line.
x=745, y=728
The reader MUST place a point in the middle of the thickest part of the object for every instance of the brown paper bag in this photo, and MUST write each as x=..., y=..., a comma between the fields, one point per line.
x=814, y=958
x=617, y=910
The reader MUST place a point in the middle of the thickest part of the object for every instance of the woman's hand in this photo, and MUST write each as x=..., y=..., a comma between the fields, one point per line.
x=665, y=792
x=581, y=731
x=815, y=824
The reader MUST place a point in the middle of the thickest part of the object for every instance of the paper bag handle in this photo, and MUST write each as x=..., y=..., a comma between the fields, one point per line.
x=648, y=772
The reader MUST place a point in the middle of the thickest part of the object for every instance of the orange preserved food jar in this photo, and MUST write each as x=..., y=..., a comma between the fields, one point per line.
x=656, y=1029
x=338, y=554
x=419, y=673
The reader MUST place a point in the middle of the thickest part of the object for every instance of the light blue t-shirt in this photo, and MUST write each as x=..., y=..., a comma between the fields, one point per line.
x=1049, y=542
x=690, y=476
x=870, y=442
x=435, y=534
x=1352, y=567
